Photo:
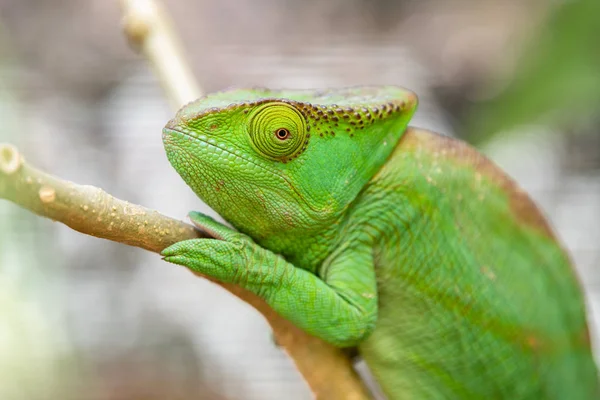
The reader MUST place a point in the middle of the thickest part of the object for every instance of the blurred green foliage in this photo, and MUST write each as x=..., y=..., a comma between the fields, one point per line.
x=557, y=81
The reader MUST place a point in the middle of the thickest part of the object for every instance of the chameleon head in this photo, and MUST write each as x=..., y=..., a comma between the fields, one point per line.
x=271, y=162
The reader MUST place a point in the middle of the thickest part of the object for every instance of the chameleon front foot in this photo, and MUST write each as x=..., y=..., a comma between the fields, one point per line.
x=224, y=258
x=341, y=311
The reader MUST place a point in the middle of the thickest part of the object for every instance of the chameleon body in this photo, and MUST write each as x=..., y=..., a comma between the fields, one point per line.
x=367, y=233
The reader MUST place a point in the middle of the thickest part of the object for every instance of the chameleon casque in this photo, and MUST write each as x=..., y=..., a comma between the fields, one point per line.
x=411, y=246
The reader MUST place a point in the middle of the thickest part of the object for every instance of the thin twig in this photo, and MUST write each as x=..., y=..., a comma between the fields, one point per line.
x=148, y=29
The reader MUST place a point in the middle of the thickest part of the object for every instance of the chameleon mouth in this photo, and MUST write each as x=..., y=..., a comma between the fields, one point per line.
x=169, y=133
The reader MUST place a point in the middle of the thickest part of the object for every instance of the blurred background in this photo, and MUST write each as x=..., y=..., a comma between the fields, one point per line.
x=84, y=318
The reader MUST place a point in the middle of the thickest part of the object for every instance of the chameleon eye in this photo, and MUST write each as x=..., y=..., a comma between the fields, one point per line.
x=282, y=133
x=277, y=130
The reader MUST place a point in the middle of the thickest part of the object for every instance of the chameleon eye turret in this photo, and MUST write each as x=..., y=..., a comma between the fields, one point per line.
x=278, y=131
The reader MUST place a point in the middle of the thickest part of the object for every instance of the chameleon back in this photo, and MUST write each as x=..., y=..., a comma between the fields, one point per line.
x=477, y=298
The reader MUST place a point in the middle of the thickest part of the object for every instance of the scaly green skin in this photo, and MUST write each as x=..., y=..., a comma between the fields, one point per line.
x=409, y=245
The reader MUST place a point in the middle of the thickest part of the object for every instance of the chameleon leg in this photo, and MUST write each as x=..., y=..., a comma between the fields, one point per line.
x=341, y=309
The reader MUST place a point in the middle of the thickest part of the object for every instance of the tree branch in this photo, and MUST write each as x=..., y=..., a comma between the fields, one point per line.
x=90, y=210
x=87, y=209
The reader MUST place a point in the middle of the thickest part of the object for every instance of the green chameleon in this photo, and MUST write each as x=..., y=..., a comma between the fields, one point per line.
x=367, y=233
